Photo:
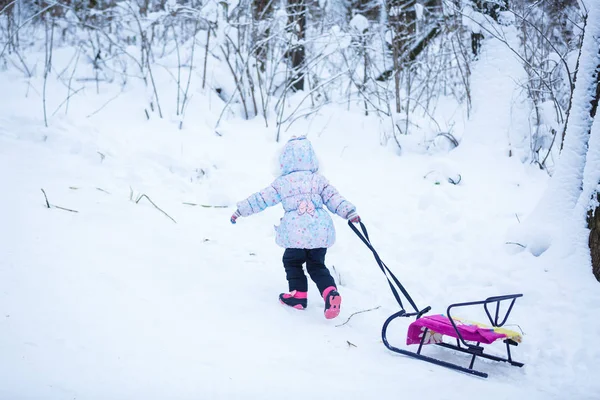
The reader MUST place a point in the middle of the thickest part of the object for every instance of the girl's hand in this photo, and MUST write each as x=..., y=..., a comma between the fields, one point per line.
x=235, y=216
x=354, y=217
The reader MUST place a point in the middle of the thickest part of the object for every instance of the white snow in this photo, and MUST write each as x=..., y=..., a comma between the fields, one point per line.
x=117, y=301
x=359, y=23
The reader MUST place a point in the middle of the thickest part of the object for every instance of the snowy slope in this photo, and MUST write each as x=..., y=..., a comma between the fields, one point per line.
x=119, y=302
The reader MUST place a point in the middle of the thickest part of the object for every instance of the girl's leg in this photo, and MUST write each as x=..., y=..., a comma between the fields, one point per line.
x=297, y=297
x=315, y=265
x=292, y=262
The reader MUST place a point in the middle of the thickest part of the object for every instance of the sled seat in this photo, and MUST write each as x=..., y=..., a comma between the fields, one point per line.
x=434, y=327
x=470, y=336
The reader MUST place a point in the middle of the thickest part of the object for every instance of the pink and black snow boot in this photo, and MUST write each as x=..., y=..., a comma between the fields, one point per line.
x=333, y=301
x=294, y=299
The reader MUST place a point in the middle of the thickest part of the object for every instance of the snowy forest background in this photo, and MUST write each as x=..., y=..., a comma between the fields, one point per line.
x=465, y=131
x=391, y=59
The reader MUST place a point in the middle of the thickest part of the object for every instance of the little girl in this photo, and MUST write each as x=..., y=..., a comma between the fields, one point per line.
x=306, y=229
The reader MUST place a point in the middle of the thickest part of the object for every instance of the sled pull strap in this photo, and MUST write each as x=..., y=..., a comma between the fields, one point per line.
x=364, y=236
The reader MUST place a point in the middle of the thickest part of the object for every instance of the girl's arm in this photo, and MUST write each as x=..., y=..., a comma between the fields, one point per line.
x=259, y=201
x=336, y=203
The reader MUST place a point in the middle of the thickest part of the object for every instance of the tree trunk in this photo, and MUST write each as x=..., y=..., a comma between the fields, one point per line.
x=594, y=241
x=407, y=50
x=589, y=130
x=564, y=132
x=297, y=19
x=594, y=214
x=261, y=10
x=476, y=38
x=402, y=17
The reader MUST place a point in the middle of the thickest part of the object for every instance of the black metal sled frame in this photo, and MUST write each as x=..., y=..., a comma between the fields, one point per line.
x=476, y=350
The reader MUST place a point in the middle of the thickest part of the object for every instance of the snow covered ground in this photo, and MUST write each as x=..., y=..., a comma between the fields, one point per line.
x=117, y=301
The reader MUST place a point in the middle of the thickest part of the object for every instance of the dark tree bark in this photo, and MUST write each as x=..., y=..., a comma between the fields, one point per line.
x=558, y=10
x=594, y=241
x=491, y=8
x=402, y=17
x=367, y=8
x=594, y=215
x=476, y=39
x=433, y=9
x=9, y=10
x=297, y=19
x=261, y=10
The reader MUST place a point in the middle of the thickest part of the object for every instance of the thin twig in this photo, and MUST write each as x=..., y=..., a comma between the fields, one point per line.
x=157, y=207
x=518, y=244
x=205, y=56
x=48, y=205
x=455, y=182
x=237, y=81
x=203, y=205
x=189, y=79
x=70, y=80
x=449, y=136
x=48, y=65
x=27, y=71
x=149, y=52
x=66, y=209
x=176, y=40
x=67, y=100
x=8, y=42
x=550, y=147
x=46, y=197
x=104, y=105
x=339, y=276
x=8, y=5
x=358, y=312
x=522, y=333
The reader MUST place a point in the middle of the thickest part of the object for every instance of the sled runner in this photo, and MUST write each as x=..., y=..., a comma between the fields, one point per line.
x=470, y=336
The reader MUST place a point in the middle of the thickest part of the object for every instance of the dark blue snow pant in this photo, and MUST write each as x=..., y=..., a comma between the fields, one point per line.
x=315, y=266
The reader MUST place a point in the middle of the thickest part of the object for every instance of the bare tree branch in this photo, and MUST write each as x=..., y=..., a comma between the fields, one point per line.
x=358, y=312
x=155, y=206
x=48, y=205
